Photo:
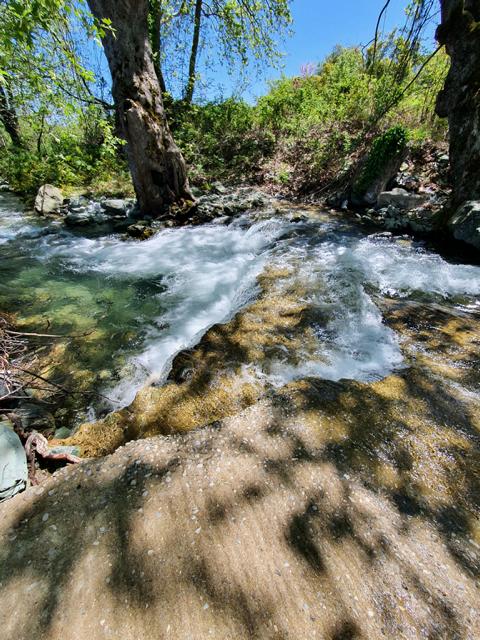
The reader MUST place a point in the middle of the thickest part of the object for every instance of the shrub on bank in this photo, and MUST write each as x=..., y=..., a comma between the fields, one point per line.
x=301, y=136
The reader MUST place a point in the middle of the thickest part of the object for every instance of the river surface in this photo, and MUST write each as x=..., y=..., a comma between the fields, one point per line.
x=141, y=303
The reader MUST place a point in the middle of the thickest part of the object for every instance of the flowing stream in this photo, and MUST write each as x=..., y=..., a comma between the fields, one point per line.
x=141, y=303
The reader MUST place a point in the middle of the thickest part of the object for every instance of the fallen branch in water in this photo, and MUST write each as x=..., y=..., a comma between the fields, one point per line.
x=36, y=335
x=16, y=375
x=27, y=334
x=39, y=377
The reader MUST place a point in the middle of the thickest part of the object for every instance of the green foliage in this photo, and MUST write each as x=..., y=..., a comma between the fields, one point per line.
x=385, y=147
x=84, y=154
x=323, y=119
x=339, y=91
x=305, y=132
x=220, y=139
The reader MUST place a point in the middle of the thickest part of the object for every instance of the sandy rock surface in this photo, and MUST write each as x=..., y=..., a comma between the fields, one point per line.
x=302, y=517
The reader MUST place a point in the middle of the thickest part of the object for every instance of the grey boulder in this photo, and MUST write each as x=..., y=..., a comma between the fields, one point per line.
x=400, y=199
x=49, y=200
x=465, y=223
x=78, y=219
x=116, y=206
x=13, y=463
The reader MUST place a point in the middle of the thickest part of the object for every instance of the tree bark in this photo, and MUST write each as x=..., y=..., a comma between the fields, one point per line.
x=192, y=67
x=459, y=101
x=155, y=9
x=157, y=166
x=8, y=117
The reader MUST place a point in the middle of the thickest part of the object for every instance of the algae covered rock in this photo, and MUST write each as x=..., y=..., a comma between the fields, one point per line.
x=387, y=153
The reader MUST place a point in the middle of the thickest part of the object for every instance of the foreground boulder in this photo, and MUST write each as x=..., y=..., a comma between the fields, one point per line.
x=49, y=200
x=465, y=223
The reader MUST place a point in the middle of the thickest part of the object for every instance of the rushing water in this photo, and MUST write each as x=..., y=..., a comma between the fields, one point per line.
x=142, y=303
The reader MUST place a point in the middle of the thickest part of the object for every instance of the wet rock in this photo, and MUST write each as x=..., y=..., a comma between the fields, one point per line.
x=140, y=231
x=224, y=220
x=465, y=223
x=49, y=200
x=78, y=219
x=64, y=450
x=35, y=416
x=62, y=433
x=77, y=209
x=393, y=219
x=299, y=218
x=421, y=220
x=336, y=200
x=116, y=206
x=13, y=463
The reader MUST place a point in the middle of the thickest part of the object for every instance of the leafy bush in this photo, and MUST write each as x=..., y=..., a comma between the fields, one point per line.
x=82, y=154
x=219, y=139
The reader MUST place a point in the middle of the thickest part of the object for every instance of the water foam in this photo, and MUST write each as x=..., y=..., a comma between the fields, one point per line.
x=207, y=273
x=400, y=269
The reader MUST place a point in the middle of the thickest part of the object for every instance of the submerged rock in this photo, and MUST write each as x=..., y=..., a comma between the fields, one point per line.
x=13, y=463
x=63, y=432
x=49, y=200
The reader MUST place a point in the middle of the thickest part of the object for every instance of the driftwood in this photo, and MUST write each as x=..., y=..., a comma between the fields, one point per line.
x=37, y=444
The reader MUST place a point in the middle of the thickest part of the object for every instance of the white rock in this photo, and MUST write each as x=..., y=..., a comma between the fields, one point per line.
x=49, y=199
x=13, y=463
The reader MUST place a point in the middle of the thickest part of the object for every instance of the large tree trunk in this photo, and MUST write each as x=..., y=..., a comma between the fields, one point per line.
x=8, y=117
x=157, y=166
x=459, y=101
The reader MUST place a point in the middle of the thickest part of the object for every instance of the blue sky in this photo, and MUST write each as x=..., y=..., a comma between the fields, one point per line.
x=318, y=25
